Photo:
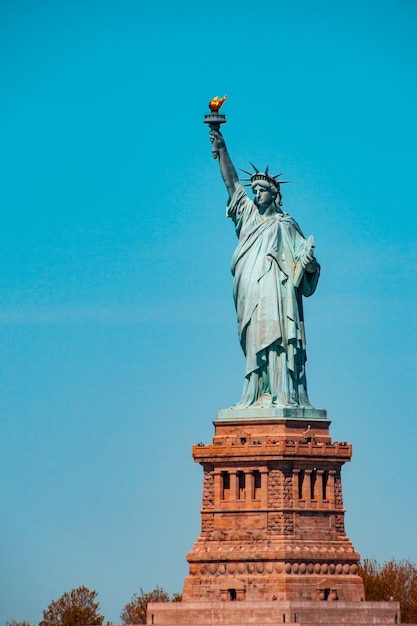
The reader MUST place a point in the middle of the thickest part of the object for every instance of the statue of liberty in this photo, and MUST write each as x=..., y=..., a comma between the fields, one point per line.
x=273, y=268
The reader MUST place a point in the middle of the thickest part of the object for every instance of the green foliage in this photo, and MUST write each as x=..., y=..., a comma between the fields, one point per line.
x=135, y=611
x=75, y=608
x=394, y=580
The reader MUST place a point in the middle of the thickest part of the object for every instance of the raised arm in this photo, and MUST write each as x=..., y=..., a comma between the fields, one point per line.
x=227, y=168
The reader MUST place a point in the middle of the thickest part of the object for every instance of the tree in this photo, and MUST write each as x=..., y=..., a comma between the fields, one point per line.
x=394, y=580
x=15, y=622
x=74, y=608
x=135, y=611
x=177, y=597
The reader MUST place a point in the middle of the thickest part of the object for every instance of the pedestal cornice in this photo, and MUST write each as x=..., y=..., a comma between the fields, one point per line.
x=271, y=413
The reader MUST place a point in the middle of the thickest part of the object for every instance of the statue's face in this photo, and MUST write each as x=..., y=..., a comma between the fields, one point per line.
x=263, y=196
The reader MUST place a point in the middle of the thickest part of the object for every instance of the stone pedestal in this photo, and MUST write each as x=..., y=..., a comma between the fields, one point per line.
x=273, y=540
x=247, y=613
x=272, y=516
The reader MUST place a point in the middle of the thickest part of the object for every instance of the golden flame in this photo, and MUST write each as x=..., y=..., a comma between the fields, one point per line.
x=216, y=103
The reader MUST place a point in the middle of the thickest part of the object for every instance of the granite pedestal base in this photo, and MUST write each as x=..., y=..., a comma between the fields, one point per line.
x=273, y=547
x=275, y=612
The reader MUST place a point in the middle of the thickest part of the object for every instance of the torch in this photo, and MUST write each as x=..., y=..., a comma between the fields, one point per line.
x=215, y=119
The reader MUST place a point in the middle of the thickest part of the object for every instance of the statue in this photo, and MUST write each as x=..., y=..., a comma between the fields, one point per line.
x=273, y=268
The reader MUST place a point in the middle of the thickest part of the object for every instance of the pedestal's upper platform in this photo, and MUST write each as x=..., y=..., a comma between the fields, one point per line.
x=269, y=413
x=273, y=433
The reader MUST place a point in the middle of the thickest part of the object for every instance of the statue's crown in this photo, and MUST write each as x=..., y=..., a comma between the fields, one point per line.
x=265, y=177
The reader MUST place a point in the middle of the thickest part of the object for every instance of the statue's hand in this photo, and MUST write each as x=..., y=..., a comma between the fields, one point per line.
x=308, y=260
x=310, y=266
x=217, y=141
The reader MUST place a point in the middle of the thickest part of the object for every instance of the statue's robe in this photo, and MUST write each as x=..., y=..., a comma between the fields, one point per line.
x=268, y=287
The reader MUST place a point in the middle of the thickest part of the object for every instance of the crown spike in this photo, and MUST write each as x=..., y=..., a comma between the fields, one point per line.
x=255, y=168
x=245, y=172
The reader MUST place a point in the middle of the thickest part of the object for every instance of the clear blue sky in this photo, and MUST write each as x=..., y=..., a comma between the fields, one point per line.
x=118, y=337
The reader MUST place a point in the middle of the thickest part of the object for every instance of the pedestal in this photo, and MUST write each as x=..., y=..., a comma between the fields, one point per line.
x=273, y=538
x=272, y=613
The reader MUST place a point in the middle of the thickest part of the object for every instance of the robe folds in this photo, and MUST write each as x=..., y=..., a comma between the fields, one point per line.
x=268, y=289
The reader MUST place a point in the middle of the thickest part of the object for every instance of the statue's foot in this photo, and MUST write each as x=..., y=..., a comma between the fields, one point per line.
x=265, y=401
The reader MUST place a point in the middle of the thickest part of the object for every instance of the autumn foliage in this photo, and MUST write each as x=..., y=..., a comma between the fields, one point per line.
x=75, y=608
x=135, y=611
x=394, y=580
